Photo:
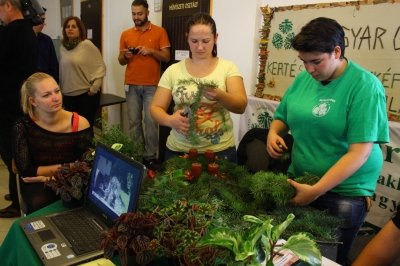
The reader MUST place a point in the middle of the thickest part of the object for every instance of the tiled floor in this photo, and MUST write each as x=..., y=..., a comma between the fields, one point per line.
x=5, y=223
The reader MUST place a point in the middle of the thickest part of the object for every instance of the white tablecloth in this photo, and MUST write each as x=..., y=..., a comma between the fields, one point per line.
x=259, y=113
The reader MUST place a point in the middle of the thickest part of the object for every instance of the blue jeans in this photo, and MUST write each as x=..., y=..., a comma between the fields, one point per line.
x=141, y=124
x=352, y=211
x=228, y=154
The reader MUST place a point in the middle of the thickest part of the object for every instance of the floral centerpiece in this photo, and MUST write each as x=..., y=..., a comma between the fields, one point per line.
x=194, y=195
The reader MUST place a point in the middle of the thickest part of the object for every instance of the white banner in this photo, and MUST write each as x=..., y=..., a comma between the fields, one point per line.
x=372, y=39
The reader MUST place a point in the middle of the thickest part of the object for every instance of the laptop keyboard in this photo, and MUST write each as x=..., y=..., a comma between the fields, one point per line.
x=80, y=230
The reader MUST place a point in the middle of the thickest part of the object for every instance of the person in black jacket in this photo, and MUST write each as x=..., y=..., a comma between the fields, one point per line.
x=18, y=60
x=47, y=56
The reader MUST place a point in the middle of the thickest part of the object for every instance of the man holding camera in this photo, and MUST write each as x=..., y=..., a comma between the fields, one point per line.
x=142, y=48
x=18, y=59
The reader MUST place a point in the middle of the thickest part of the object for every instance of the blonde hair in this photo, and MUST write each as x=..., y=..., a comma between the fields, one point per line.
x=28, y=89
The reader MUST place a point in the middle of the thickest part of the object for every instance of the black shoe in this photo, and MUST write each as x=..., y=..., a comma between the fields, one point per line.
x=10, y=212
x=7, y=197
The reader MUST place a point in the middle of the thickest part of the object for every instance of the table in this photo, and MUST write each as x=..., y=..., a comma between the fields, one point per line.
x=107, y=99
x=16, y=249
x=259, y=113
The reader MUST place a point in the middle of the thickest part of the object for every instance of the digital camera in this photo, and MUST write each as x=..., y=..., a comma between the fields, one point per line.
x=32, y=11
x=133, y=50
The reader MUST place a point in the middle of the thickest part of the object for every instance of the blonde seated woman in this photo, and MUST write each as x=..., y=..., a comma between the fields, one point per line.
x=46, y=137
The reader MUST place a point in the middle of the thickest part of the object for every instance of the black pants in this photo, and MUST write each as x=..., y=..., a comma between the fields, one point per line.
x=6, y=140
x=83, y=104
x=36, y=195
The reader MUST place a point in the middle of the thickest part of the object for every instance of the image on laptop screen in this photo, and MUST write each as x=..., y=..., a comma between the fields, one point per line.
x=115, y=182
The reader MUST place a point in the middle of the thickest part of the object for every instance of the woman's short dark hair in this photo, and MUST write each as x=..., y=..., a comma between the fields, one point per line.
x=81, y=27
x=320, y=35
x=203, y=19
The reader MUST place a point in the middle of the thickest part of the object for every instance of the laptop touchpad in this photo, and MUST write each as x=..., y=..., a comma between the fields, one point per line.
x=46, y=235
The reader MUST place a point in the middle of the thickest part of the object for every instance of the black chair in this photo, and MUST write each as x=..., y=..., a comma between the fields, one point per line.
x=252, y=152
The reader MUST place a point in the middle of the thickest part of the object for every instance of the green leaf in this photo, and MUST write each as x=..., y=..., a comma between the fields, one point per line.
x=177, y=173
x=267, y=245
x=278, y=229
x=305, y=248
x=223, y=237
x=117, y=146
x=254, y=234
x=269, y=263
x=252, y=219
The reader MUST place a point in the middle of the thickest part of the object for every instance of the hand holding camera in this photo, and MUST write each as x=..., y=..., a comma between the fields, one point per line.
x=133, y=50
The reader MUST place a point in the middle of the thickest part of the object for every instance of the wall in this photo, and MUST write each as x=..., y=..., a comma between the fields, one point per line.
x=237, y=21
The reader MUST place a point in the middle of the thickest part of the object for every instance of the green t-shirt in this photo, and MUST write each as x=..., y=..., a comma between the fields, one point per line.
x=324, y=120
x=213, y=122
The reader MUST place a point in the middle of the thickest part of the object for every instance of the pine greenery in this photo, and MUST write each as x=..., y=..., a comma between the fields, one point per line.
x=235, y=192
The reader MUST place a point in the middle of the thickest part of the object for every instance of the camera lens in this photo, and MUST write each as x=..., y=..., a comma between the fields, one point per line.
x=133, y=50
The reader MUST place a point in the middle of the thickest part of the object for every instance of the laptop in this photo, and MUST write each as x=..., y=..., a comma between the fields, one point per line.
x=113, y=189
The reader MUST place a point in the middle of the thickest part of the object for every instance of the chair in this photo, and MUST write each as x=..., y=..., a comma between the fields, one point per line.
x=22, y=204
x=252, y=152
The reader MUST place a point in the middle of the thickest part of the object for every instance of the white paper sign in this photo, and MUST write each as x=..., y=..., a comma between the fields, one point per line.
x=181, y=54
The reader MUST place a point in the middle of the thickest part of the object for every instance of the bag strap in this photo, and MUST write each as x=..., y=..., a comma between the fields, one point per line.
x=75, y=122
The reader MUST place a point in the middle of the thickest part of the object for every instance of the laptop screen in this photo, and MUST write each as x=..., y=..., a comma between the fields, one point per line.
x=115, y=182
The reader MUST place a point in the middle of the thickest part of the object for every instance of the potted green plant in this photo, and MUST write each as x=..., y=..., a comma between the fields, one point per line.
x=169, y=233
x=131, y=237
x=71, y=180
x=262, y=237
x=111, y=134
